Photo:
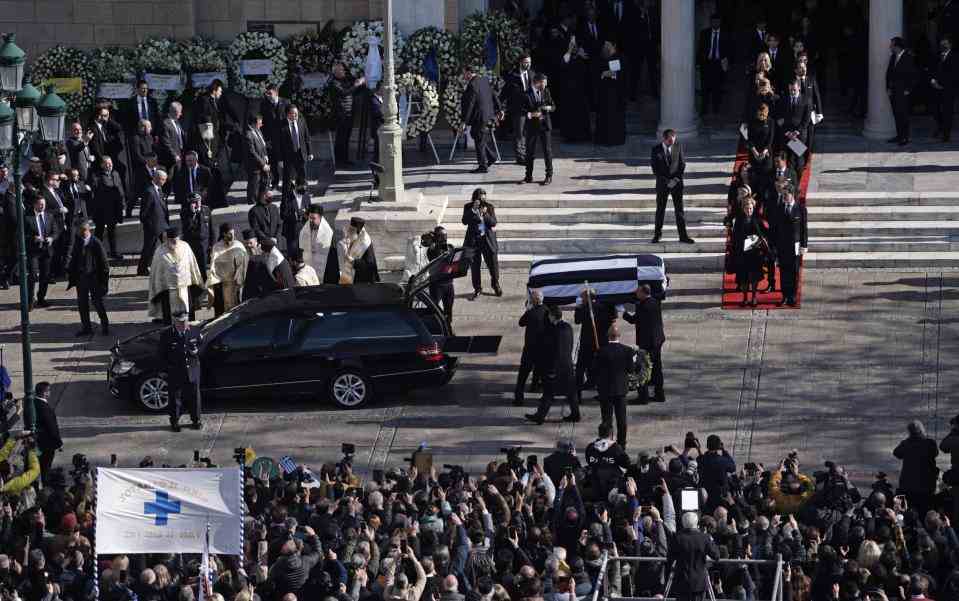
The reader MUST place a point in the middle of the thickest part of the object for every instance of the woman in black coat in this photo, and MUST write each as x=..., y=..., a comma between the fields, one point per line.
x=749, y=263
x=761, y=133
x=611, y=97
x=574, y=84
x=140, y=149
x=106, y=206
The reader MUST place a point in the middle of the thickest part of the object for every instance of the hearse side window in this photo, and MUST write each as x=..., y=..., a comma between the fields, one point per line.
x=260, y=332
x=380, y=324
x=325, y=329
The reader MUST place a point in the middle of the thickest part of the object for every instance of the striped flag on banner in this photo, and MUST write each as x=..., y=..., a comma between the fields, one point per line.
x=287, y=464
x=614, y=277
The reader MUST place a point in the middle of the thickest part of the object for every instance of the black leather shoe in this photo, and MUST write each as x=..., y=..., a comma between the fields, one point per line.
x=175, y=427
x=904, y=142
x=520, y=162
x=493, y=162
x=197, y=425
x=480, y=170
x=527, y=180
x=41, y=304
x=518, y=402
x=572, y=419
x=655, y=239
x=536, y=418
x=498, y=291
x=893, y=140
x=84, y=332
x=547, y=181
x=475, y=295
x=687, y=240
x=791, y=302
x=4, y=286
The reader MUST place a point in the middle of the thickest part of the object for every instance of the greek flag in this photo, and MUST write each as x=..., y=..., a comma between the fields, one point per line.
x=614, y=278
x=287, y=464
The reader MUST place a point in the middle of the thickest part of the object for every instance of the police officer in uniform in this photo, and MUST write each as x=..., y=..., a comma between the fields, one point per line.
x=180, y=353
x=198, y=231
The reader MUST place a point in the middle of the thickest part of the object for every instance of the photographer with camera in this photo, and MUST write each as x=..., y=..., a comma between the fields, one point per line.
x=789, y=490
x=437, y=245
x=562, y=461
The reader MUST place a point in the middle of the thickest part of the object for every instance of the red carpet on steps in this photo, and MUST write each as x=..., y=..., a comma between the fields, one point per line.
x=733, y=297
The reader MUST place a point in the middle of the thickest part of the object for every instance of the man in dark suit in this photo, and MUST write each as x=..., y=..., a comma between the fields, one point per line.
x=669, y=164
x=89, y=270
x=179, y=351
x=154, y=218
x=294, y=140
x=713, y=56
x=791, y=242
x=648, y=319
x=518, y=85
x=48, y=429
x=539, y=127
x=945, y=78
x=171, y=143
x=264, y=217
x=593, y=335
x=107, y=203
x=273, y=111
x=107, y=139
x=141, y=107
x=793, y=123
x=256, y=159
x=191, y=179
x=76, y=196
x=687, y=554
x=480, y=107
x=534, y=322
x=754, y=42
x=58, y=208
x=591, y=33
x=197, y=224
x=556, y=362
x=40, y=232
x=78, y=151
x=901, y=75
x=143, y=159
x=259, y=281
x=479, y=217
x=779, y=57
x=611, y=367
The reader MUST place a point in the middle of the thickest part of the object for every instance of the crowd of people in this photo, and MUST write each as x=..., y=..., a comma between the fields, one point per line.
x=527, y=529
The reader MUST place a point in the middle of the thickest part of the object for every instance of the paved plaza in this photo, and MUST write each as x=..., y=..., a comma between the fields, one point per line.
x=869, y=350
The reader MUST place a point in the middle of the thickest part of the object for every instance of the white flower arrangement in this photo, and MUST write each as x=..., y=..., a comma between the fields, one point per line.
x=510, y=39
x=355, y=45
x=161, y=56
x=202, y=55
x=256, y=45
x=60, y=61
x=114, y=65
x=444, y=43
x=453, y=97
x=312, y=52
x=423, y=89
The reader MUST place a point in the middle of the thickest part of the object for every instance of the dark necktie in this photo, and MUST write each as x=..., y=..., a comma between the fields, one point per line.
x=669, y=155
x=43, y=224
x=295, y=135
x=192, y=178
x=714, y=50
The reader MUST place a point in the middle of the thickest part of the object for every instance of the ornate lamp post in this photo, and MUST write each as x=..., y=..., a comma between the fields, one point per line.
x=16, y=134
x=391, y=134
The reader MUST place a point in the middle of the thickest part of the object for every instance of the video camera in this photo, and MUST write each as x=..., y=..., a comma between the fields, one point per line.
x=455, y=476
x=433, y=237
x=346, y=463
x=514, y=461
x=81, y=466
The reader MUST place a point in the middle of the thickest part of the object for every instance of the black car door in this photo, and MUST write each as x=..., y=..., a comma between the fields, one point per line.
x=249, y=356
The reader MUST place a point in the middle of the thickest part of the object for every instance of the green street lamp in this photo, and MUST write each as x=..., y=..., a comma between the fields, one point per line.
x=18, y=126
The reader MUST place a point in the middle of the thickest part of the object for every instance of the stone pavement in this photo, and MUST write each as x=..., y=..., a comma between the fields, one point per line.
x=838, y=379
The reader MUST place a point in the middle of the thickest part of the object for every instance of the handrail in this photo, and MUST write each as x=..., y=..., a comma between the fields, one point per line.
x=600, y=580
x=663, y=559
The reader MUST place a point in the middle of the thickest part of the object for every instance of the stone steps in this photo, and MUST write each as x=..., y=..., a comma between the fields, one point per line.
x=646, y=199
x=506, y=231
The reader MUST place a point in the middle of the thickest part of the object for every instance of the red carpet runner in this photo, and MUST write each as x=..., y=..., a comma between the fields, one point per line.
x=731, y=296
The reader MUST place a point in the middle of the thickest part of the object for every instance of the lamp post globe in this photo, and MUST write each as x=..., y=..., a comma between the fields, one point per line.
x=26, y=103
x=50, y=111
x=12, y=61
x=7, y=119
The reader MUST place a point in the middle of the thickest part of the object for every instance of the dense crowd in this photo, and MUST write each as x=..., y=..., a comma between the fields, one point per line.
x=525, y=529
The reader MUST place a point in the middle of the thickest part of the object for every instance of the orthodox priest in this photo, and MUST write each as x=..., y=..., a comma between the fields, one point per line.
x=316, y=238
x=356, y=256
x=228, y=263
x=277, y=265
x=173, y=272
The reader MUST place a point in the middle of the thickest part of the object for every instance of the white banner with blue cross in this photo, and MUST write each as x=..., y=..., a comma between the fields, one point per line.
x=167, y=510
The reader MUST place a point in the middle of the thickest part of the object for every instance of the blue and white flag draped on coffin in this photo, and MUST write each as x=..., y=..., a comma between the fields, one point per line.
x=168, y=510
x=431, y=68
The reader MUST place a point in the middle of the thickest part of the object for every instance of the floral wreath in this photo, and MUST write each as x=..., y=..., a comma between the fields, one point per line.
x=428, y=39
x=202, y=55
x=253, y=45
x=161, y=56
x=355, y=48
x=510, y=40
x=417, y=85
x=311, y=52
x=114, y=65
x=643, y=373
x=453, y=97
x=61, y=61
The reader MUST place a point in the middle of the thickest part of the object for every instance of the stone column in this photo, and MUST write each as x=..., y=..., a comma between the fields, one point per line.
x=677, y=105
x=391, y=134
x=885, y=22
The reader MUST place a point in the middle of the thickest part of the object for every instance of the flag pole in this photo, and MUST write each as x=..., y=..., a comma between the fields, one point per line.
x=592, y=318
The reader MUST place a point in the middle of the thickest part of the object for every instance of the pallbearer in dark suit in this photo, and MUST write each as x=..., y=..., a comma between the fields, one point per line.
x=539, y=127
x=273, y=110
x=648, y=319
x=792, y=240
x=256, y=159
x=945, y=78
x=40, y=232
x=179, y=351
x=479, y=217
x=602, y=317
x=534, y=322
x=155, y=218
x=294, y=140
x=669, y=164
x=480, y=106
x=556, y=362
x=611, y=368
x=89, y=270
x=901, y=76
